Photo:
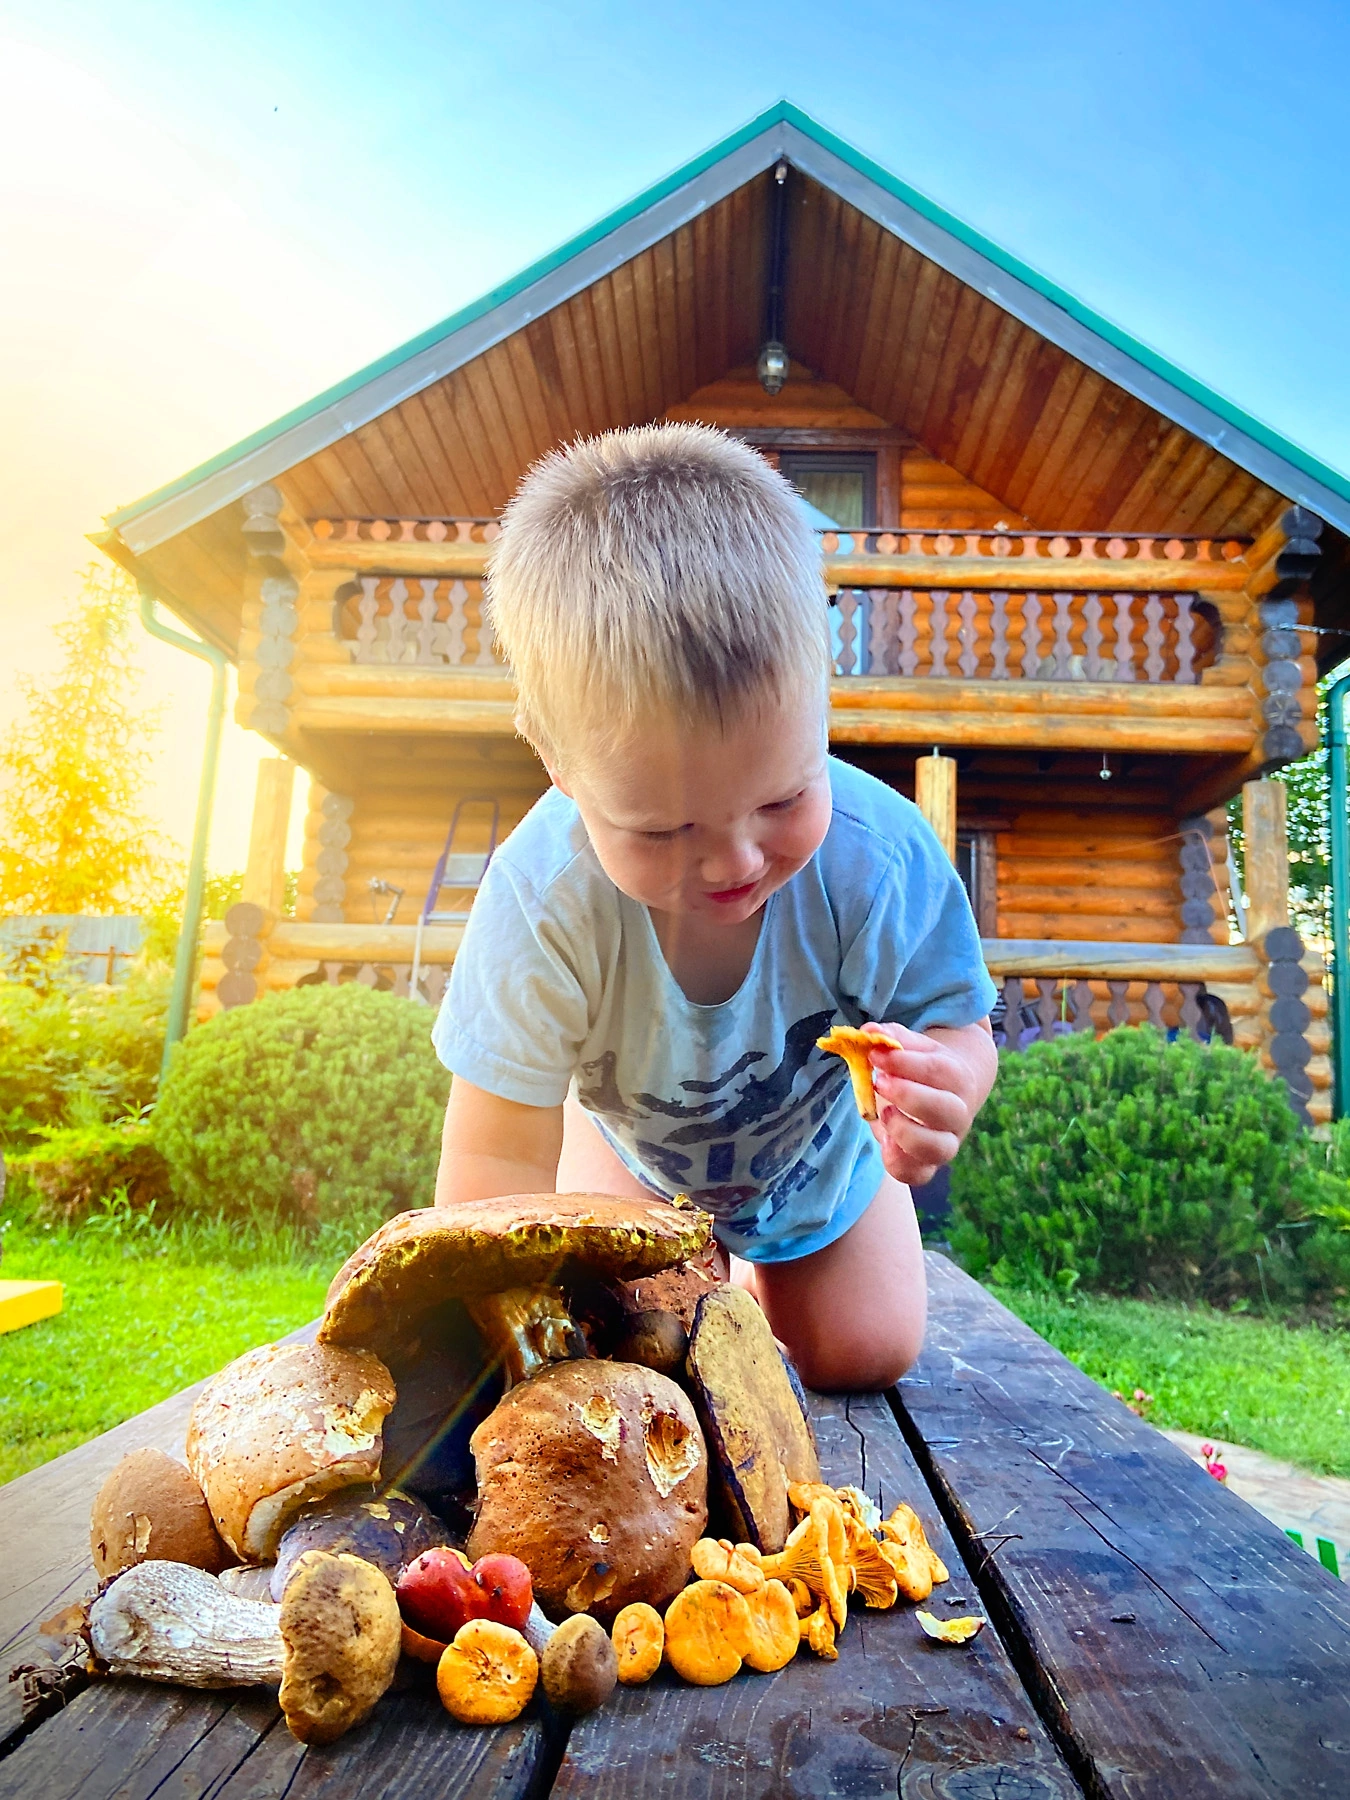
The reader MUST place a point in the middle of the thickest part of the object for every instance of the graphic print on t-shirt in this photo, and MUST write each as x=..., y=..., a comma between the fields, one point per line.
x=775, y=1126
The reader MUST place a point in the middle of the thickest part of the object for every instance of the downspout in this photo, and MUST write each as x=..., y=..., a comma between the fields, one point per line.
x=185, y=957
x=1339, y=823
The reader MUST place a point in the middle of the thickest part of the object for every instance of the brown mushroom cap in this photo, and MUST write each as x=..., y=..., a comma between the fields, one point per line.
x=595, y=1475
x=420, y=1259
x=280, y=1426
x=151, y=1508
x=340, y=1624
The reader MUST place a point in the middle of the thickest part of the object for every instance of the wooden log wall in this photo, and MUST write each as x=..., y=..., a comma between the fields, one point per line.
x=1111, y=875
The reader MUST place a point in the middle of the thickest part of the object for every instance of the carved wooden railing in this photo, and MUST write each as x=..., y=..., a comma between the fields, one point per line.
x=988, y=606
x=1009, y=636
x=1048, y=989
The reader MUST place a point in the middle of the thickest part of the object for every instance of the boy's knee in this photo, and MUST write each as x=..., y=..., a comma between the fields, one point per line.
x=852, y=1364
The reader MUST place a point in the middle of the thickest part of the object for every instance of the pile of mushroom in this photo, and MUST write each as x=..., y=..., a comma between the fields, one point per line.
x=561, y=1384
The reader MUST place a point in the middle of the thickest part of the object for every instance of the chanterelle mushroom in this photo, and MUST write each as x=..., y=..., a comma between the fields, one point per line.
x=507, y=1259
x=331, y=1647
x=280, y=1426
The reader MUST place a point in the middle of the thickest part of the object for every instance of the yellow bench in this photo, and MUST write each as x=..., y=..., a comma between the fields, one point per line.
x=25, y=1302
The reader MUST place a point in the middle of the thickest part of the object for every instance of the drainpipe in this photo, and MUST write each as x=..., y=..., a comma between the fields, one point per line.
x=1339, y=821
x=184, y=959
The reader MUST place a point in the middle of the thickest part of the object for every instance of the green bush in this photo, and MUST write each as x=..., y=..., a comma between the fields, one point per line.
x=1138, y=1166
x=323, y=1105
x=78, y=1055
x=77, y=1169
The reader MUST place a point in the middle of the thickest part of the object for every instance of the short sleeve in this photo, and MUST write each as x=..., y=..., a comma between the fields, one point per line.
x=916, y=958
x=516, y=1010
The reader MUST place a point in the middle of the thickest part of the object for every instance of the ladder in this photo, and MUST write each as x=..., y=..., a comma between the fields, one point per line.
x=454, y=869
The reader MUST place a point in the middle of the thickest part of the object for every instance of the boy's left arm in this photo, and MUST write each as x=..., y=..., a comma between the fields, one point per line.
x=929, y=1089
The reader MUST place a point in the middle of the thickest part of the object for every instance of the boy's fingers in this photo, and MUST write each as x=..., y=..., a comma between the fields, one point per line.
x=912, y=1152
x=940, y=1108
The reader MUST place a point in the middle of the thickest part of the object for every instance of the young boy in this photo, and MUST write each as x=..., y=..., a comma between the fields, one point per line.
x=660, y=942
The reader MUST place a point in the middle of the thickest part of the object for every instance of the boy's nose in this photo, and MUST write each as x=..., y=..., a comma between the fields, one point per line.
x=732, y=864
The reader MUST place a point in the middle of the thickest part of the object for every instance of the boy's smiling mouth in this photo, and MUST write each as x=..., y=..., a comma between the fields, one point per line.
x=729, y=896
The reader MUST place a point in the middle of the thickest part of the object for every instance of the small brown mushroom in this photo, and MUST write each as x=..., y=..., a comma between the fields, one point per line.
x=655, y=1338
x=579, y=1666
x=331, y=1647
x=151, y=1509
x=280, y=1426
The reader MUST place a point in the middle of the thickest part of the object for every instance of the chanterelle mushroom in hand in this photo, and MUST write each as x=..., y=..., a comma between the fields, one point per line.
x=331, y=1647
x=507, y=1259
x=280, y=1426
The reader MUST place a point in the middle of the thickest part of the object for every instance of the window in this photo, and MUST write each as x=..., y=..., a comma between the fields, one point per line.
x=841, y=489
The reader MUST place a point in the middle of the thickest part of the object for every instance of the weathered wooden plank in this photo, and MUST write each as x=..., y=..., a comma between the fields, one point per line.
x=123, y=1740
x=1177, y=1640
x=895, y=1713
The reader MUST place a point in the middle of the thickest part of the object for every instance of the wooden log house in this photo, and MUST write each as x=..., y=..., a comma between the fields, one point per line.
x=1080, y=601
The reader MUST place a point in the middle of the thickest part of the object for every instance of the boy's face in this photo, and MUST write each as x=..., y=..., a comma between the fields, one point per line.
x=705, y=821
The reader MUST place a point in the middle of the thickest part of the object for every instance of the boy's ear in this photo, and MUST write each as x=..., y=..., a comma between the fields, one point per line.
x=551, y=768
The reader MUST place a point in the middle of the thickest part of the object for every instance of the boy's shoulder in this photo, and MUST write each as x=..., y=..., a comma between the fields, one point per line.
x=549, y=845
x=871, y=819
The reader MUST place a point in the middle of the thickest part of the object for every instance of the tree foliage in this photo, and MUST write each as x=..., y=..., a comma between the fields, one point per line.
x=73, y=769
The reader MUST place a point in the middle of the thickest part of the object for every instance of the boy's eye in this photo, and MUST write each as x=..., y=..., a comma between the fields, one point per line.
x=783, y=805
x=662, y=837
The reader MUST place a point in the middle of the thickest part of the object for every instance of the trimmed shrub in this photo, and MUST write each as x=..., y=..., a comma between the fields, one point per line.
x=75, y=1170
x=1138, y=1166
x=78, y=1055
x=321, y=1105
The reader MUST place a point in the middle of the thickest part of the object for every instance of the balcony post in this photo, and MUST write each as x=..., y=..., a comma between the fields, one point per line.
x=1265, y=829
x=265, y=871
x=935, y=796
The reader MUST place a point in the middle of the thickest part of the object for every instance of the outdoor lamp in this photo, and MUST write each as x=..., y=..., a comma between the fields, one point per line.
x=772, y=367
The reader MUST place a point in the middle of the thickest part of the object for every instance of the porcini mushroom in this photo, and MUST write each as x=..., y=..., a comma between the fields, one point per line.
x=151, y=1509
x=331, y=1647
x=280, y=1426
x=579, y=1666
x=387, y=1529
x=507, y=1259
x=594, y=1474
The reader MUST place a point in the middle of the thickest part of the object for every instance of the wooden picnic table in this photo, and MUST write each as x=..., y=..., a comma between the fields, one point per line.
x=1151, y=1635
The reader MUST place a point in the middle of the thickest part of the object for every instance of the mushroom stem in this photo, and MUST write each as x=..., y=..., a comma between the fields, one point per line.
x=527, y=1328
x=166, y=1621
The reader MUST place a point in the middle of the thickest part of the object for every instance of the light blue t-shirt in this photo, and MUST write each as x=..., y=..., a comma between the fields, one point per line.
x=560, y=978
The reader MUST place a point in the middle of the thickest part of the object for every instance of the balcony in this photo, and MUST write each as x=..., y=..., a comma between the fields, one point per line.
x=1121, y=643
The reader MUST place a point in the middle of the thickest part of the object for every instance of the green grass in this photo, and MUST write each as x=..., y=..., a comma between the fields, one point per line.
x=1236, y=1378
x=147, y=1312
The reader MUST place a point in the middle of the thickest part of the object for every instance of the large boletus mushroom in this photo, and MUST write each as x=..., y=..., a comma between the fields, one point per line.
x=278, y=1427
x=508, y=1260
x=595, y=1475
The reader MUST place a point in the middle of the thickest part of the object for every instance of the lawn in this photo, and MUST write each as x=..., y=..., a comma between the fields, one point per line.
x=149, y=1310
x=145, y=1315
x=1236, y=1378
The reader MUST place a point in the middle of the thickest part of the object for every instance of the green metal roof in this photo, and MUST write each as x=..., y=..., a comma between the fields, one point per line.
x=781, y=130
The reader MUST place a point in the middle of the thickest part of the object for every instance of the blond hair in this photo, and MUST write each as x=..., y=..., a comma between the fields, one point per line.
x=666, y=569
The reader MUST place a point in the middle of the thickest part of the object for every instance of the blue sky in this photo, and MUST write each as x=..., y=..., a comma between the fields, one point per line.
x=212, y=211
